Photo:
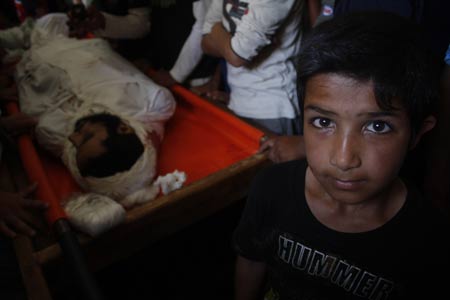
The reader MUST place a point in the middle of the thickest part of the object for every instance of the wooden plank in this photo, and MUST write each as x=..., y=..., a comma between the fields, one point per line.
x=33, y=277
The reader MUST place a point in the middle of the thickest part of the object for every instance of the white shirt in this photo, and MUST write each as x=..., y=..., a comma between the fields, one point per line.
x=268, y=90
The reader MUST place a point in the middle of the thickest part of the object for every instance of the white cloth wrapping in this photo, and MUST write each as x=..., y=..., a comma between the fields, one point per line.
x=60, y=80
x=93, y=213
x=14, y=40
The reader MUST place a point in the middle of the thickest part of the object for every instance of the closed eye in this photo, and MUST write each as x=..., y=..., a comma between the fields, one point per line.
x=86, y=138
x=79, y=124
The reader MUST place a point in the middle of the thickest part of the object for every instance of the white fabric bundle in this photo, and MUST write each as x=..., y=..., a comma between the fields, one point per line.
x=93, y=213
x=15, y=40
x=170, y=182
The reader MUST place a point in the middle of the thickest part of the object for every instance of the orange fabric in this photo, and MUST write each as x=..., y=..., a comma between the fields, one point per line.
x=200, y=139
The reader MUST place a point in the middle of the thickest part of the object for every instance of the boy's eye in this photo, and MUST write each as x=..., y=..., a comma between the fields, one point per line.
x=321, y=122
x=378, y=127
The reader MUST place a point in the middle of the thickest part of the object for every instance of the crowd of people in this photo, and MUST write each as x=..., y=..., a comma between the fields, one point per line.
x=353, y=97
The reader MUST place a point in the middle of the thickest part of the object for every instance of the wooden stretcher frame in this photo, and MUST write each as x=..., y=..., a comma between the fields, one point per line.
x=43, y=267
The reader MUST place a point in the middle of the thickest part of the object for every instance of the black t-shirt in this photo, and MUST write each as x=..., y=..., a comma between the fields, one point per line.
x=307, y=260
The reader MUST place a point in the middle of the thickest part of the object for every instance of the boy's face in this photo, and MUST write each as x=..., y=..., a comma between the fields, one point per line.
x=354, y=149
x=88, y=139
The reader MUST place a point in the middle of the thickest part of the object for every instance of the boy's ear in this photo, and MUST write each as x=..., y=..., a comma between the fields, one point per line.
x=427, y=125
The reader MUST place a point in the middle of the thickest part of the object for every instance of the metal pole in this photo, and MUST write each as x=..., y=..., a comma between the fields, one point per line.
x=75, y=260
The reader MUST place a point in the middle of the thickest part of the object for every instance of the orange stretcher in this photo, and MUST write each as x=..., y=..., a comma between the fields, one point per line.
x=200, y=139
x=216, y=150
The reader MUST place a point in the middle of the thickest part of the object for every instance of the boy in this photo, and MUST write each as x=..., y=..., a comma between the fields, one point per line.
x=342, y=224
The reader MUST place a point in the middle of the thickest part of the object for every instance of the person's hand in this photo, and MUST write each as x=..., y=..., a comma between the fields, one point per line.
x=82, y=21
x=77, y=21
x=208, y=87
x=17, y=213
x=207, y=92
x=18, y=123
x=283, y=148
x=219, y=96
x=220, y=33
x=95, y=19
x=77, y=29
x=218, y=43
x=163, y=77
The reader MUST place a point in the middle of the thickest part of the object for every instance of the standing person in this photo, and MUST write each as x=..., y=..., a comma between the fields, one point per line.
x=257, y=38
x=343, y=224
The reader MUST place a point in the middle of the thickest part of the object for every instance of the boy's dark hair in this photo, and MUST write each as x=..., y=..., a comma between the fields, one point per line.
x=123, y=150
x=381, y=47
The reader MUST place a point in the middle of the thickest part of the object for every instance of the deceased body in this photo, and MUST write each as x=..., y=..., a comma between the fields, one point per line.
x=97, y=112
